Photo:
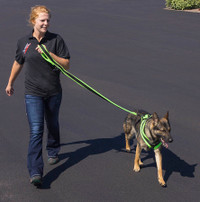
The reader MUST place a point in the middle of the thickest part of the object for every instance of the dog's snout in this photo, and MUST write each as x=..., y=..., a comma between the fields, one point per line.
x=170, y=140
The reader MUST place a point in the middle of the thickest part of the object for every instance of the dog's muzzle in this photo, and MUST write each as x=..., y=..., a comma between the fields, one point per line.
x=170, y=140
x=164, y=142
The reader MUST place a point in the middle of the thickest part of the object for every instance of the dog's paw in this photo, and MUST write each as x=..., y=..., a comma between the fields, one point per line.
x=162, y=183
x=136, y=169
x=141, y=163
x=128, y=149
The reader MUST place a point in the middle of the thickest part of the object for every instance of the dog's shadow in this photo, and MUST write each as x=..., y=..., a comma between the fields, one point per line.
x=171, y=162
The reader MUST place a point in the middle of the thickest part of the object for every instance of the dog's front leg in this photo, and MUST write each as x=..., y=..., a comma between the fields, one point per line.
x=137, y=160
x=158, y=157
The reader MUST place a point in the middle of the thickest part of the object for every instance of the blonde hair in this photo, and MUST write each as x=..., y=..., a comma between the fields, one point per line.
x=35, y=11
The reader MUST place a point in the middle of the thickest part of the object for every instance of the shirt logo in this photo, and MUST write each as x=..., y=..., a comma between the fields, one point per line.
x=26, y=48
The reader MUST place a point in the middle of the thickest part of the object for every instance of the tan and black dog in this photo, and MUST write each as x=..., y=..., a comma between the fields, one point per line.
x=150, y=132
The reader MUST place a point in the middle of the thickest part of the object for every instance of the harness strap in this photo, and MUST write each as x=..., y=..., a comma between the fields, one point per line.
x=143, y=135
x=45, y=54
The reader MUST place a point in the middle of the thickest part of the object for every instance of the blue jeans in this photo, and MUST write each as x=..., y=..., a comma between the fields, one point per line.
x=38, y=109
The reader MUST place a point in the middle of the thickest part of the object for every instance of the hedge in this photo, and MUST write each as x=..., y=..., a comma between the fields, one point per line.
x=183, y=4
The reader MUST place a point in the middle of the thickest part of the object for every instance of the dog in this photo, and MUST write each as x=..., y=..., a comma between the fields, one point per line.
x=150, y=132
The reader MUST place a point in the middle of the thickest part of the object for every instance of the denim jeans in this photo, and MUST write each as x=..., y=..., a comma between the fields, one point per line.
x=38, y=109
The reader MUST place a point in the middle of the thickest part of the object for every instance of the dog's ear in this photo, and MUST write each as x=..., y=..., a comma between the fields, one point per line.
x=167, y=115
x=155, y=118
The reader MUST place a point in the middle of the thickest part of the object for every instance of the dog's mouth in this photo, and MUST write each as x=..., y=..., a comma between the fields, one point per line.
x=164, y=143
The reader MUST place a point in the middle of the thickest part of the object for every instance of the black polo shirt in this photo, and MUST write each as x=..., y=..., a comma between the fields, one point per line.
x=40, y=78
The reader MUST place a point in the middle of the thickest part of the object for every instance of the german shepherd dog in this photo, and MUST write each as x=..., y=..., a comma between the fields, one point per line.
x=157, y=132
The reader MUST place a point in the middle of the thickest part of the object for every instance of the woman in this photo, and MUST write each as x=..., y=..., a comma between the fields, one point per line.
x=43, y=91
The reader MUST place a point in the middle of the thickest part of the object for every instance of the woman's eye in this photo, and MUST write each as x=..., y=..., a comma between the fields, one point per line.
x=44, y=20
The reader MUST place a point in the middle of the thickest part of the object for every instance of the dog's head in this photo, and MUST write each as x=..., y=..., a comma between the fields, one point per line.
x=161, y=128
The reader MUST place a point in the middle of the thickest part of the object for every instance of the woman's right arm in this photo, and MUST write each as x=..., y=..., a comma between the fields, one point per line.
x=16, y=68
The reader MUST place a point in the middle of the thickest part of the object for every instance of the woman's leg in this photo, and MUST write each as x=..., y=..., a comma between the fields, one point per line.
x=52, y=106
x=35, y=114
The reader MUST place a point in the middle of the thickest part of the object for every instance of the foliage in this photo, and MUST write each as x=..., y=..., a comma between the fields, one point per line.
x=183, y=4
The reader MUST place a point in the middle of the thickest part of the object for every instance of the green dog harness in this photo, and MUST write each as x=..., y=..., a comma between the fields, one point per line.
x=144, y=136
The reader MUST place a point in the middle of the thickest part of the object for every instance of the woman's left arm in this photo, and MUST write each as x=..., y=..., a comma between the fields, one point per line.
x=62, y=61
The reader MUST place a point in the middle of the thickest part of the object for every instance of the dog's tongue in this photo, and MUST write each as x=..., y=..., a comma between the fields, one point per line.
x=164, y=143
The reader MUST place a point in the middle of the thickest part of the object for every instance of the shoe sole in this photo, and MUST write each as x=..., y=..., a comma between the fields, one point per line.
x=52, y=162
x=36, y=182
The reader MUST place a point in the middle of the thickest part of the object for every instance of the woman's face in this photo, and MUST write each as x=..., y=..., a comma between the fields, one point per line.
x=41, y=23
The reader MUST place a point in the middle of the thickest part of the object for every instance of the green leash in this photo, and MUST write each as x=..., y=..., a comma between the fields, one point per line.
x=45, y=54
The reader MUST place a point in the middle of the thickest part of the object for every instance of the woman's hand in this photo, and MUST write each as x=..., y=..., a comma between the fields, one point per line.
x=62, y=61
x=39, y=50
x=9, y=90
x=16, y=68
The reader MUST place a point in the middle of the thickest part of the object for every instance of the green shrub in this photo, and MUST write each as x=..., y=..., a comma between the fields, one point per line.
x=168, y=3
x=183, y=4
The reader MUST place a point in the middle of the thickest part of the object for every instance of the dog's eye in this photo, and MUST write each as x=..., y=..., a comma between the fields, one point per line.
x=156, y=128
x=160, y=129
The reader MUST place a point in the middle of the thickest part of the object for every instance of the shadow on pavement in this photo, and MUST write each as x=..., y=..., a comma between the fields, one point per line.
x=96, y=146
x=171, y=162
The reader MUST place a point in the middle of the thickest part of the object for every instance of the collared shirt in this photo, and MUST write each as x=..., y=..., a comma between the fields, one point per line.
x=40, y=78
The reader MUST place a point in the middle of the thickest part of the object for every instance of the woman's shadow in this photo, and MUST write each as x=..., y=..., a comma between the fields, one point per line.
x=171, y=162
x=93, y=147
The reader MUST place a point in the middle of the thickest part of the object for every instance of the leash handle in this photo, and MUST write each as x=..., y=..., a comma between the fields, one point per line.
x=45, y=54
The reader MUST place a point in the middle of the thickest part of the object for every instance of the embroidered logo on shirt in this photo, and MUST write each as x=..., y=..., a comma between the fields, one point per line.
x=26, y=48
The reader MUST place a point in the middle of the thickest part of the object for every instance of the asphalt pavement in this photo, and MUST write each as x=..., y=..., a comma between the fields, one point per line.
x=137, y=54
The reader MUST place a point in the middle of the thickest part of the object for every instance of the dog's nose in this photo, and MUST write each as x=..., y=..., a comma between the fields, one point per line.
x=170, y=140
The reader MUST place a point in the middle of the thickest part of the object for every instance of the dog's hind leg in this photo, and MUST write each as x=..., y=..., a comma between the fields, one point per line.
x=137, y=161
x=140, y=162
x=129, y=133
x=128, y=148
x=158, y=157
